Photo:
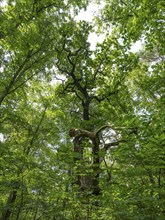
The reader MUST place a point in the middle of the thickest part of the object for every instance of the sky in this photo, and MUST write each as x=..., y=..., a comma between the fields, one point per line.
x=88, y=15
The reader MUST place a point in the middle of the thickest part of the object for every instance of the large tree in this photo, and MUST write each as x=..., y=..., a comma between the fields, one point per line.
x=81, y=131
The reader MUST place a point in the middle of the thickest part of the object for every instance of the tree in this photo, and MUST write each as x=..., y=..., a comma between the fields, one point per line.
x=82, y=132
x=29, y=32
x=132, y=21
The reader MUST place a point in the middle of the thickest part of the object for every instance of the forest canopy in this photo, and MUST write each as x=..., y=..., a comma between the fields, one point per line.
x=82, y=132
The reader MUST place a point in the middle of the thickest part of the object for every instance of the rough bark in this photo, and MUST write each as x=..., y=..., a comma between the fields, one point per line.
x=84, y=181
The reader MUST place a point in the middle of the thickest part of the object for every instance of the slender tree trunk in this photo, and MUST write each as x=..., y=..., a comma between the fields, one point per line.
x=20, y=206
x=13, y=194
x=8, y=209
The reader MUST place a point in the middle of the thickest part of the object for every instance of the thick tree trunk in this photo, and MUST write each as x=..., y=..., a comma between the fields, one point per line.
x=86, y=181
x=78, y=150
x=86, y=105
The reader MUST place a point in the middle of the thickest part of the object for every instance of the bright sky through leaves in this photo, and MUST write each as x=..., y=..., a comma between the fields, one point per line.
x=94, y=38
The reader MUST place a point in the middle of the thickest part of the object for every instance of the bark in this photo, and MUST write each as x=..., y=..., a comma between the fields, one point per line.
x=81, y=136
x=86, y=105
x=8, y=209
x=78, y=150
x=84, y=181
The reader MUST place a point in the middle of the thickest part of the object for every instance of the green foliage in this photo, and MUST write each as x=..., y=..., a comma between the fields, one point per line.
x=50, y=82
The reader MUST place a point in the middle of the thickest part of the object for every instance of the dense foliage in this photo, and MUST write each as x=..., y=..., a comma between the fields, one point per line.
x=81, y=130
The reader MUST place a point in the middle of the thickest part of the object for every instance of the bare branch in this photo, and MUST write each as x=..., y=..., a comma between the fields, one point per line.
x=116, y=143
x=81, y=133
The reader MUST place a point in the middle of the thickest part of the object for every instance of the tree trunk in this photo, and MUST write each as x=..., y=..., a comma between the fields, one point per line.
x=86, y=181
x=8, y=209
